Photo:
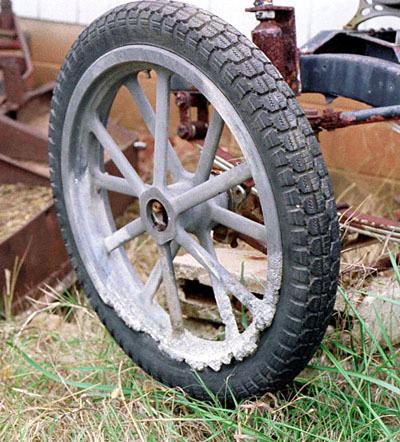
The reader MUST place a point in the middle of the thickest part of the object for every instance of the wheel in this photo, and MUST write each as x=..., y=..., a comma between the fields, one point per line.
x=180, y=209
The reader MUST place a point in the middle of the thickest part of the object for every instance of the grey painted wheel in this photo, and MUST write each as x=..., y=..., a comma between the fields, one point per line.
x=180, y=209
x=191, y=204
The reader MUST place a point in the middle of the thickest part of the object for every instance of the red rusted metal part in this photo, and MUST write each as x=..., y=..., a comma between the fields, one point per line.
x=276, y=37
x=40, y=248
x=39, y=244
x=367, y=226
x=385, y=263
x=41, y=91
x=14, y=85
x=225, y=155
x=28, y=74
x=23, y=159
x=356, y=243
x=329, y=119
x=21, y=141
x=189, y=129
x=362, y=220
x=15, y=61
x=381, y=265
x=29, y=173
x=7, y=44
x=6, y=15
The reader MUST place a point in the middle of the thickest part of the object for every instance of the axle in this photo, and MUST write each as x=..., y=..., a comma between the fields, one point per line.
x=331, y=120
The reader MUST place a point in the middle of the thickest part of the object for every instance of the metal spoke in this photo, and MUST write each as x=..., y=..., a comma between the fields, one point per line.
x=211, y=188
x=122, y=236
x=218, y=271
x=119, y=159
x=210, y=148
x=113, y=184
x=156, y=275
x=171, y=289
x=221, y=296
x=162, y=125
x=239, y=223
x=148, y=114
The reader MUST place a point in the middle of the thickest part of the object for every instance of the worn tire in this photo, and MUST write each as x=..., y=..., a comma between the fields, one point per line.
x=292, y=158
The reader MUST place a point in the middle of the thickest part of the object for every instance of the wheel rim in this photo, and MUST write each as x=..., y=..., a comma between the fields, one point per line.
x=166, y=211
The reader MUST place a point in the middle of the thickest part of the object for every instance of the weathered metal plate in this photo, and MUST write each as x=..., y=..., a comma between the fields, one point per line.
x=41, y=249
x=39, y=244
x=22, y=142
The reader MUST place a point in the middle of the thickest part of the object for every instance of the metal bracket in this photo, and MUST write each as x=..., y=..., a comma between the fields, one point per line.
x=369, y=9
x=15, y=61
x=262, y=2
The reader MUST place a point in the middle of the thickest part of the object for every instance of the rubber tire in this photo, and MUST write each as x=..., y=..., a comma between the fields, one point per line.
x=292, y=159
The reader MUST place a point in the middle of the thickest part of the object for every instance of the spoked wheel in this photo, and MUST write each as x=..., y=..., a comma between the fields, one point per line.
x=180, y=209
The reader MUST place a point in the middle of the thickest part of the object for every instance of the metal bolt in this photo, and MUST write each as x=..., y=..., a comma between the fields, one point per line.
x=157, y=207
x=262, y=2
x=265, y=15
x=140, y=145
x=186, y=131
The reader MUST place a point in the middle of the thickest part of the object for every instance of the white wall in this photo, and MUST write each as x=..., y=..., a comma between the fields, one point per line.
x=312, y=15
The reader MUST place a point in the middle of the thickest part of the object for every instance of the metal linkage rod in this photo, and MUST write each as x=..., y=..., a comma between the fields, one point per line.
x=331, y=120
x=372, y=115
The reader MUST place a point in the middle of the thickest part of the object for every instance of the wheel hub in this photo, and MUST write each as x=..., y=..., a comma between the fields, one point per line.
x=158, y=215
x=161, y=219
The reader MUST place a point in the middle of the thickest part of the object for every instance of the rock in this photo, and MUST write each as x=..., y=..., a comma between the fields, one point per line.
x=246, y=265
x=380, y=308
x=379, y=299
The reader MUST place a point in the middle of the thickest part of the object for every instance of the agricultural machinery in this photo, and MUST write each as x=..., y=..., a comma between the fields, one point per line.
x=245, y=174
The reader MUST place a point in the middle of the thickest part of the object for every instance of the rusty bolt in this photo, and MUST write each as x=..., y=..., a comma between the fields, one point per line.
x=157, y=207
x=185, y=131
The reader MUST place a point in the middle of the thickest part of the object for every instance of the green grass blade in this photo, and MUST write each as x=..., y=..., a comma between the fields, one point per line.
x=344, y=373
x=57, y=378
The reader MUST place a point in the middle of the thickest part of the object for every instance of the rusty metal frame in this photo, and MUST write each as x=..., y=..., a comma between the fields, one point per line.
x=276, y=36
x=329, y=119
x=189, y=129
x=39, y=243
x=23, y=159
x=324, y=62
x=15, y=60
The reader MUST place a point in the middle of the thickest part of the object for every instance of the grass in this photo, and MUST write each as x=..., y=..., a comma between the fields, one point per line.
x=63, y=378
x=11, y=278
